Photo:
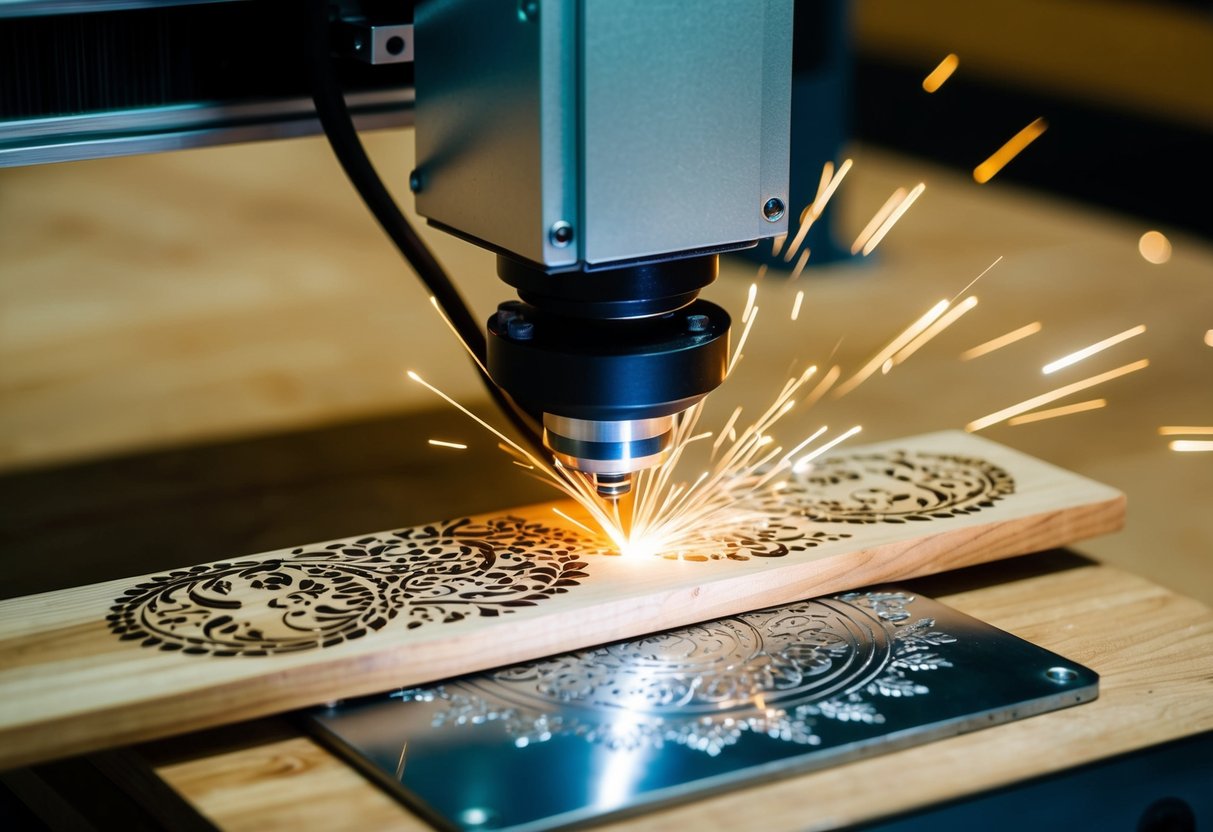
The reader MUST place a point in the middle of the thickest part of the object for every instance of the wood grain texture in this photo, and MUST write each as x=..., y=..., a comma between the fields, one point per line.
x=1152, y=648
x=131, y=660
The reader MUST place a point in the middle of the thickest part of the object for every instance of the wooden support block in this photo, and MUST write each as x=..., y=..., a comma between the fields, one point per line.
x=136, y=659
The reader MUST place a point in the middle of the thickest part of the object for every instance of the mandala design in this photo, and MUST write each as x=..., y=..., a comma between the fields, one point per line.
x=339, y=592
x=779, y=672
x=897, y=487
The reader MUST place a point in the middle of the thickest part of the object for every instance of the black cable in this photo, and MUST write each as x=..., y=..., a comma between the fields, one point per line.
x=339, y=128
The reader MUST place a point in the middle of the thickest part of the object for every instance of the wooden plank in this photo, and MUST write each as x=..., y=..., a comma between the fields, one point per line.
x=1156, y=686
x=131, y=660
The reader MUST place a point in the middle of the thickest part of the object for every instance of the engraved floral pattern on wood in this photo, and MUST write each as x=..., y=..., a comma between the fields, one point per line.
x=783, y=673
x=897, y=487
x=319, y=597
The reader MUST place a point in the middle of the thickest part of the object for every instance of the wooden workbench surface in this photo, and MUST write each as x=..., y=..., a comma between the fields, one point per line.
x=1152, y=648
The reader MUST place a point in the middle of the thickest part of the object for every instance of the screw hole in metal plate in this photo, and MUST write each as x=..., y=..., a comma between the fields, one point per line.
x=1061, y=675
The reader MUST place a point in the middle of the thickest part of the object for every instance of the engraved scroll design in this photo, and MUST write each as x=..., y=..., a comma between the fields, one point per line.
x=781, y=673
x=319, y=597
x=897, y=487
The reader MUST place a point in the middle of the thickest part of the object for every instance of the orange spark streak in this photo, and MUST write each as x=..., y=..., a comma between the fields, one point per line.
x=878, y=219
x=749, y=302
x=1054, y=395
x=777, y=244
x=984, y=272
x=1154, y=247
x=1191, y=446
x=796, y=304
x=953, y=315
x=1001, y=341
x=459, y=446
x=896, y=344
x=941, y=73
x=817, y=206
x=984, y=172
x=892, y=219
x=1209, y=338
x=1087, y=352
x=800, y=264
x=1185, y=430
x=1053, y=413
x=822, y=387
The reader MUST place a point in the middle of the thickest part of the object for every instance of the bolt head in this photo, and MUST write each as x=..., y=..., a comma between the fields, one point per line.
x=520, y=330
x=773, y=209
x=415, y=181
x=561, y=234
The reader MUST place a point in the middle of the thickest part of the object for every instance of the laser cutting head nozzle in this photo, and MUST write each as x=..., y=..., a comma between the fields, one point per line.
x=609, y=451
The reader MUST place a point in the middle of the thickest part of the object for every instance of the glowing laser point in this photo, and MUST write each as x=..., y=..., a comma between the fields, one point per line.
x=984, y=172
x=941, y=73
x=441, y=443
x=1054, y=395
x=1053, y=413
x=1154, y=247
x=1087, y=352
x=1198, y=446
x=895, y=215
x=1001, y=341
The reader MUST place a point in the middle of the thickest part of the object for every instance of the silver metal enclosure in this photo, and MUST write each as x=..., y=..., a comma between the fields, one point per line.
x=648, y=126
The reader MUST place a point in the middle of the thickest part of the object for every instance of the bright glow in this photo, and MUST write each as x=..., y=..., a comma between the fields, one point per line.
x=941, y=73
x=796, y=304
x=1053, y=413
x=1054, y=395
x=984, y=172
x=439, y=443
x=892, y=219
x=800, y=264
x=1209, y=338
x=896, y=344
x=878, y=220
x=745, y=335
x=1001, y=341
x=830, y=180
x=1197, y=446
x=807, y=458
x=1185, y=430
x=1154, y=247
x=1087, y=352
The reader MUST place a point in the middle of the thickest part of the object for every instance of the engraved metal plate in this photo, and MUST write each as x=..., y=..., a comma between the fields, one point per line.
x=616, y=728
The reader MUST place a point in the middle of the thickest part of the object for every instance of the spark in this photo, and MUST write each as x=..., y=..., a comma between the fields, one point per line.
x=1087, y=352
x=1154, y=247
x=807, y=458
x=1209, y=338
x=796, y=304
x=1053, y=413
x=823, y=386
x=800, y=264
x=1054, y=395
x=969, y=285
x=893, y=217
x=878, y=219
x=825, y=190
x=941, y=73
x=777, y=244
x=1191, y=445
x=726, y=430
x=749, y=302
x=745, y=335
x=896, y=344
x=762, y=272
x=984, y=172
x=458, y=337
x=1185, y=430
x=575, y=522
x=459, y=446
x=950, y=317
x=1001, y=341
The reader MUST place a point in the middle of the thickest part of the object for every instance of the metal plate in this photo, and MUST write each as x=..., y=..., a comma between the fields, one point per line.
x=615, y=728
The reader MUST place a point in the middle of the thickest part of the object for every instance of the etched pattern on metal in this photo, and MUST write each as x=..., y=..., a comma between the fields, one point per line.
x=340, y=592
x=896, y=487
x=779, y=672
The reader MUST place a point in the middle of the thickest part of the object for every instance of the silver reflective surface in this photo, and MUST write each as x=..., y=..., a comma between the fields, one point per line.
x=616, y=728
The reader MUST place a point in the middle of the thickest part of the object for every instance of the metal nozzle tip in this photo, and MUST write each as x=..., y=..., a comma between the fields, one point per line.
x=612, y=486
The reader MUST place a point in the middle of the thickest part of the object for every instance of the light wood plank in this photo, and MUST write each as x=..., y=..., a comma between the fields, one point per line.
x=336, y=620
x=1152, y=648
